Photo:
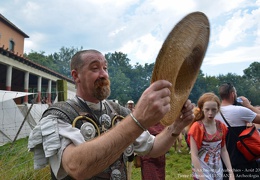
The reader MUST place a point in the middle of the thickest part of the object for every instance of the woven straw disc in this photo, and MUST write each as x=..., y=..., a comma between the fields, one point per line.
x=180, y=59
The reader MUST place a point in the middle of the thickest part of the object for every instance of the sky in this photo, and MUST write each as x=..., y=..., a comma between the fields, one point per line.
x=138, y=28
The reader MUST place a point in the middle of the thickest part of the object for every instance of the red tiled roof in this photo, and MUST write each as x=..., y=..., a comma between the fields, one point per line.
x=28, y=62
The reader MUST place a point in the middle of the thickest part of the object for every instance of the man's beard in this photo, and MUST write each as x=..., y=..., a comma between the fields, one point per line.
x=235, y=102
x=101, y=88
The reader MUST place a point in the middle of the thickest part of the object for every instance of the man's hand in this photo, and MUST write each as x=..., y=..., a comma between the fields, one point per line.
x=153, y=104
x=185, y=118
x=164, y=140
x=246, y=103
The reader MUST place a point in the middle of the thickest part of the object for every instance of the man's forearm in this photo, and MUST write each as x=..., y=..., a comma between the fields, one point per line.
x=92, y=157
x=164, y=141
x=256, y=110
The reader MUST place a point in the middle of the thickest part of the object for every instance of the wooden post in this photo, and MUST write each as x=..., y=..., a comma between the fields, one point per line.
x=62, y=88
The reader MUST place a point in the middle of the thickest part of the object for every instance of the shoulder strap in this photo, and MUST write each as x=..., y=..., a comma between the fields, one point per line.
x=68, y=110
x=224, y=119
x=237, y=135
x=85, y=108
x=62, y=109
x=111, y=107
x=229, y=125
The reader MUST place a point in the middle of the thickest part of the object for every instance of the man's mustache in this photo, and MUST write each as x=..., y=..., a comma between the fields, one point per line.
x=102, y=82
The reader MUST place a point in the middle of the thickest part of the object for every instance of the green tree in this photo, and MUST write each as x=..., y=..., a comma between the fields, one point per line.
x=212, y=84
x=62, y=59
x=199, y=88
x=119, y=82
x=129, y=82
x=132, y=79
x=140, y=79
x=118, y=68
x=252, y=82
x=236, y=80
x=253, y=72
x=42, y=59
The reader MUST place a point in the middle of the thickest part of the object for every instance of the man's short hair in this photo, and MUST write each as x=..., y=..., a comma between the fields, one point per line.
x=77, y=61
x=225, y=90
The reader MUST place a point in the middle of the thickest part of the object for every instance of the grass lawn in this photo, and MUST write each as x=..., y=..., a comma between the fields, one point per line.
x=178, y=165
x=17, y=163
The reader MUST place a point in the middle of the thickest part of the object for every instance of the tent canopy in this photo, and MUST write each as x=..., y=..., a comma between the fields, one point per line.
x=8, y=95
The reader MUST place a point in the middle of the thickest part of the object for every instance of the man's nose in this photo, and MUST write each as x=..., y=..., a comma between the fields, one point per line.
x=103, y=73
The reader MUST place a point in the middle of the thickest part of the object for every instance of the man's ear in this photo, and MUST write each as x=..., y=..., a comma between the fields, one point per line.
x=233, y=95
x=74, y=74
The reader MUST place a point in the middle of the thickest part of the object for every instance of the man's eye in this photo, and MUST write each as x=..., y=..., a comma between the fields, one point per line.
x=95, y=67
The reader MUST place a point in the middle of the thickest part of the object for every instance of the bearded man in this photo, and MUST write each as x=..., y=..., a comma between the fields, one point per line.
x=82, y=138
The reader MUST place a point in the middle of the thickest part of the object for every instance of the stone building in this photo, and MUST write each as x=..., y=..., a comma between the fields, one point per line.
x=23, y=85
x=21, y=74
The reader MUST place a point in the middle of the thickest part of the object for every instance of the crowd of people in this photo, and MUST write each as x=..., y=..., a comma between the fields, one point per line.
x=90, y=137
x=212, y=145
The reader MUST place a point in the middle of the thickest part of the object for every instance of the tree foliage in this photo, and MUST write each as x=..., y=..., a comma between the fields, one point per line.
x=62, y=60
x=129, y=81
x=42, y=59
x=141, y=78
x=253, y=72
x=118, y=68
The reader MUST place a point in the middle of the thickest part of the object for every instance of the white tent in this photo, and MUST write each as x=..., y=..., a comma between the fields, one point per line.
x=8, y=95
x=14, y=124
